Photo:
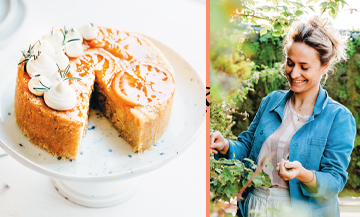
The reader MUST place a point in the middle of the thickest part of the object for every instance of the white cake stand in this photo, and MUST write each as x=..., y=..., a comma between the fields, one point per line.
x=107, y=171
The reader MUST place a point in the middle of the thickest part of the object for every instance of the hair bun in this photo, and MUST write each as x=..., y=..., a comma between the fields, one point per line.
x=316, y=22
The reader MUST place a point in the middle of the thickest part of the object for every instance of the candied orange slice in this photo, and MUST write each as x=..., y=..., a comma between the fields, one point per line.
x=94, y=61
x=144, y=84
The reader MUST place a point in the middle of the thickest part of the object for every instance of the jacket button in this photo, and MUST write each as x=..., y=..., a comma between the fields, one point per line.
x=261, y=132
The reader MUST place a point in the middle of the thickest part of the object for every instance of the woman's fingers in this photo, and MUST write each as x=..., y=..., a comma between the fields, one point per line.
x=216, y=141
x=282, y=166
x=214, y=151
x=213, y=138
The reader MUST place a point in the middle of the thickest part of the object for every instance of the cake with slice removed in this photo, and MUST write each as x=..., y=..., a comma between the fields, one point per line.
x=123, y=72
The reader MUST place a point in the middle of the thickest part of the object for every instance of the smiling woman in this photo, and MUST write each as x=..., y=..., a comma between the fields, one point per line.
x=311, y=134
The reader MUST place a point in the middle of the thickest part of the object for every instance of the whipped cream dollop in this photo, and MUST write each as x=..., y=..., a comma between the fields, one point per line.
x=45, y=47
x=89, y=31
x=74, y=49
x=61, y=59
x=60, y=97
x=35, y=83
x=54, y=78
x=56, y=38
x=43, y=65
x=73, y=34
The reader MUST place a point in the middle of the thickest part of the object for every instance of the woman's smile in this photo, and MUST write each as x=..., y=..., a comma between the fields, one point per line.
x=297, y=81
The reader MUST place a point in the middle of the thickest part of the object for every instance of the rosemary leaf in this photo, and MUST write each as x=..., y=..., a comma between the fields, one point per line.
x=44, y=85
x=22, y=61
x=40, y=89
x=74, y=39
x=72, y=78
x=67, y=69
x=25, y=66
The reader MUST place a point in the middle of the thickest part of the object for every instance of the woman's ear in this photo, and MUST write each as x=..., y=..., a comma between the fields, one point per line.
x=325, y=68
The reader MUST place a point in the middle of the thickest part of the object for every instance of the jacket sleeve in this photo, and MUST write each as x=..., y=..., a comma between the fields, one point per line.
x=332, y=177
x=240, y=148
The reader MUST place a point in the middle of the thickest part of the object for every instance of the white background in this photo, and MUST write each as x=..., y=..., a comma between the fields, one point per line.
x=176, y=189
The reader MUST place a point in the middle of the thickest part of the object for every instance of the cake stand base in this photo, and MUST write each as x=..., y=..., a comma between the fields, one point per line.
x=97, y=194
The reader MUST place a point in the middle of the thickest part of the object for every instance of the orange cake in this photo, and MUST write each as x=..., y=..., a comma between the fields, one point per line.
x=123, y=72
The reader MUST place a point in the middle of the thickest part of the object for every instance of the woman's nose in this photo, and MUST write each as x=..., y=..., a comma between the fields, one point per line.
x=295, y=72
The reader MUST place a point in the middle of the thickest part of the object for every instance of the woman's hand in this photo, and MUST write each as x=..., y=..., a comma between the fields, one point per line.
x=218, y=143
x=289, y=170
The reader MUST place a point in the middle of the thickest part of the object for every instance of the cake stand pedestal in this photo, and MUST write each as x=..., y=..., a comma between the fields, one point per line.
x=97, y=194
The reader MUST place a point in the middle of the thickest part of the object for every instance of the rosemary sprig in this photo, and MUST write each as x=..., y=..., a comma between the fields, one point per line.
x=27, y=55
x=42, y=89
x=64, y=32
x=66, y=71
x=91, y=24
x=36, y=56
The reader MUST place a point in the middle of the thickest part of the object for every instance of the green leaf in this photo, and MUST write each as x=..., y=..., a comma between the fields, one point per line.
x=276, y=2
x=227, y=175
x=266, y=26
x=251, y=2
x=230, y=191
x=248, y=159
x=309, y=1
x=270, y=166
x=257, y=182
x=263, y=31
x=218, y=171
x=298, y=12
x=277, y=26
x=323, y=4
x=333, y=13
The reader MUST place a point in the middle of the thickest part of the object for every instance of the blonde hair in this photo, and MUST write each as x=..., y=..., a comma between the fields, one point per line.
x=322, y=36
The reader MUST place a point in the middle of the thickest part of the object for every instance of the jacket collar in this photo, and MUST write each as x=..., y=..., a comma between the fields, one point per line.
x=321, y=102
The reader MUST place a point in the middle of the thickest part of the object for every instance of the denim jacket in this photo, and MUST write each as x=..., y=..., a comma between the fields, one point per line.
x=323, y=144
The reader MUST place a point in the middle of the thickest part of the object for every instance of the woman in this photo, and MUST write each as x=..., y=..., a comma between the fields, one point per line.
x=303, y=125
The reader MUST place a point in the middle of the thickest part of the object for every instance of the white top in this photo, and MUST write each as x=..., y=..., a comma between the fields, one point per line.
x=279, y=142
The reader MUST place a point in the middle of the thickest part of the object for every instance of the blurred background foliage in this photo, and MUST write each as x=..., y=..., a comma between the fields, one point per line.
x=246, y=65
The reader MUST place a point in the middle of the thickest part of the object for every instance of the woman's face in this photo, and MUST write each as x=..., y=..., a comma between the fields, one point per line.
x=303, y=68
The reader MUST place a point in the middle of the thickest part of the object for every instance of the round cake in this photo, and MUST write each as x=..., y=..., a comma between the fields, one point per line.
x=122, y=72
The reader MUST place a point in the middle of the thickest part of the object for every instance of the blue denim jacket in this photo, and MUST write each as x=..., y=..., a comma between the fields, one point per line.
x=324, y=144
